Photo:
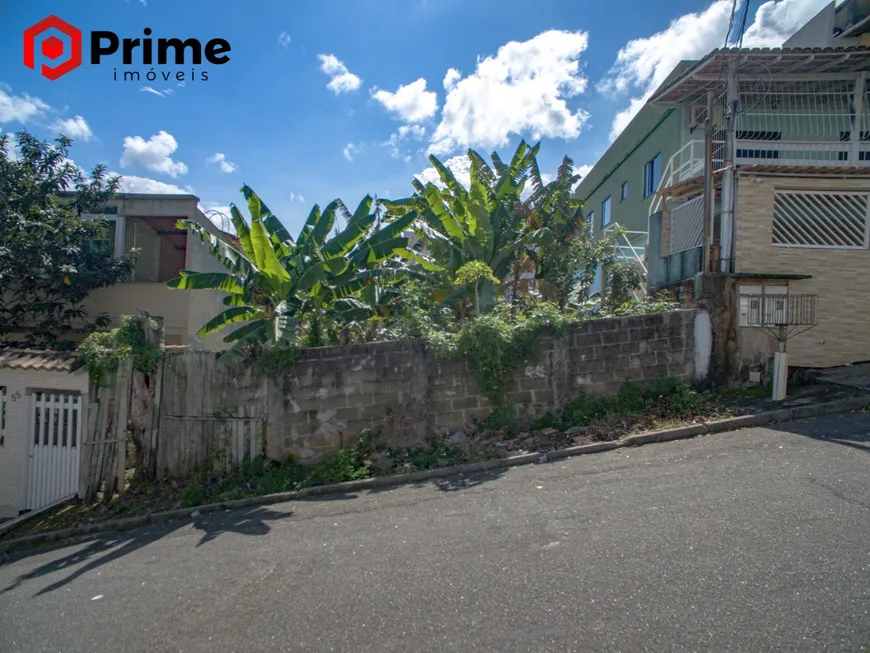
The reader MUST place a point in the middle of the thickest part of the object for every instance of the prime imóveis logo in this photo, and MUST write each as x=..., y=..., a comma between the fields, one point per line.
x=53, y=47
x=59, y=44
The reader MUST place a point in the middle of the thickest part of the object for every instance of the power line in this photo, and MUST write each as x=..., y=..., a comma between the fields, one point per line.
x=731, y=22
x=743, y=24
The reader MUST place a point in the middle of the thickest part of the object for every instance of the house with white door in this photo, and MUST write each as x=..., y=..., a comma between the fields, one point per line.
x=44, y=394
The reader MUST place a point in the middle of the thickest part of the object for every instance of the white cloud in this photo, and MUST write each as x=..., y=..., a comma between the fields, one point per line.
x=221, y=159
x=404, y=134
x=134, y=184
x=76, y=128
x=341, y=79
x=411, y=102
x=20, y=108
x=350, y=150
x=643, y=64
x=153, y=154
x=521, y=90
x=164, y=93
x=624, y=116
x=284, y=39
x=583, y=170
x=216, y=212
x=297, y=197
x=776, y=21
x=460, y=166
x=451, y=77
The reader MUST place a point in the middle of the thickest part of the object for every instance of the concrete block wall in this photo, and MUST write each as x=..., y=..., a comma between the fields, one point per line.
x=323, y=401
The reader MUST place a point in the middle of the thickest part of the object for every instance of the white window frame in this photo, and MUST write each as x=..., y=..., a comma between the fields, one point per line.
x=866, y=243
x=120, y=229
x=606, y=211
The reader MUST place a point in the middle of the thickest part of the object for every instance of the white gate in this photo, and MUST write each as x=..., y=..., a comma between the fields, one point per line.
x=55, y=436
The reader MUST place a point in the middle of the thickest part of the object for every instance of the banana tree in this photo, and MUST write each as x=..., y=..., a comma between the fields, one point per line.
x=261, y=292
x=554, y=224
x=459, y=225
x=275, y=282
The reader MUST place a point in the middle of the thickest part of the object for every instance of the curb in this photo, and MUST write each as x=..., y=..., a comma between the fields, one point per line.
x=77, y=533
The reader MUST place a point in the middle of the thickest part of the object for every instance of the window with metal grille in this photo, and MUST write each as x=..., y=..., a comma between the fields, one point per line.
x=821, y=219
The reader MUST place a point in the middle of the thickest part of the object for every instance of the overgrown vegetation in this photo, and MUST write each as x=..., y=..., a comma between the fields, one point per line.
x=663, y=397
x=101, y=351
x=477, y=270
x=499, y=342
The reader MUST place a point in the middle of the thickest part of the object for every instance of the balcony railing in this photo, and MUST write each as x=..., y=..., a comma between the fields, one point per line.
x=631, y=247
x=688, y=162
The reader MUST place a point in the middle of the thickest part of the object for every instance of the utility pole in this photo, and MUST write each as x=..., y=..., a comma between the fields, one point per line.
x=726, y=232
x=709, y=191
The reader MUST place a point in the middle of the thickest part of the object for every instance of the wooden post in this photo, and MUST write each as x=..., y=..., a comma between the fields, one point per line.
x=122, y=410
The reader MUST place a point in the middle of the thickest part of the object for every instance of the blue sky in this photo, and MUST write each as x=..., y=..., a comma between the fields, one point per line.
x=342, y=98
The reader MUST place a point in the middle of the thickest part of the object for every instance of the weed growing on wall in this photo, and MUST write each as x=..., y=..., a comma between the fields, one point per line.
x=100, y=352
x=274, y=360
x=499, y=343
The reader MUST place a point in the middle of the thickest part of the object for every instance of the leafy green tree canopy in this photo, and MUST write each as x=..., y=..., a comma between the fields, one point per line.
x=50, y=257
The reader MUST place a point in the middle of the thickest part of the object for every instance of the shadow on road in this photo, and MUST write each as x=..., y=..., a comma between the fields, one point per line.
x=113, y=546
x=847, y=429
x=452, y=483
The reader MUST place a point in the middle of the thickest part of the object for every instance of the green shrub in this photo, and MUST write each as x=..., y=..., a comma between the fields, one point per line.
x=337, y=467
x=192, y=495
x=582, y=411
x=547, y=421
x=666, y=393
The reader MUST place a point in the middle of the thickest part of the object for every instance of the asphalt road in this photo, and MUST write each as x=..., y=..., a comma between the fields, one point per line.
x=756, y=540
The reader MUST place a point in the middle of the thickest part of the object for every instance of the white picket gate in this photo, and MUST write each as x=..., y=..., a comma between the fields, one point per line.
x=55, y=434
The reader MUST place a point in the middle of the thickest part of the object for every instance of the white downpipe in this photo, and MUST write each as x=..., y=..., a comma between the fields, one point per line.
x=780, y=375
x=725, y=229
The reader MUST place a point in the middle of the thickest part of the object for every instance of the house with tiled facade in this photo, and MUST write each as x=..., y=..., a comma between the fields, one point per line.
x=763, y=178
x=789, y=189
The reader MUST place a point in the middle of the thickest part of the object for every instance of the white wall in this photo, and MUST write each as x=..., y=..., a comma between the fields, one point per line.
x=817, y=32
x=183, y=312
x=14, y=451
x=203, y=305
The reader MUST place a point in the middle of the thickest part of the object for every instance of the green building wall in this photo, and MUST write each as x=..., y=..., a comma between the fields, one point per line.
x=653, y=131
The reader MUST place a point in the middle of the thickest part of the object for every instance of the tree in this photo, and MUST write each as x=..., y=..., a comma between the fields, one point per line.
x=482, y=223
x=50, y=257
x=565, y=256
